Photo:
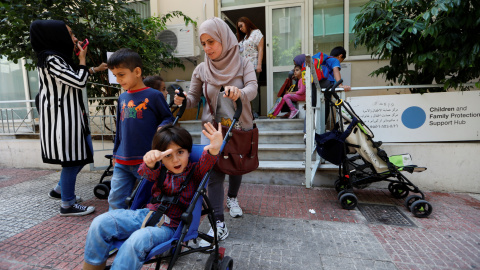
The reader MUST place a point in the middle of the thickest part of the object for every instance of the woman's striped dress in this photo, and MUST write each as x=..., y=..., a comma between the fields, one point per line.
x=63, y=121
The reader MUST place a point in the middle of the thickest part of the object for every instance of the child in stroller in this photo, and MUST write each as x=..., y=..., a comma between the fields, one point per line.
x=141, y=229
x=367, y=162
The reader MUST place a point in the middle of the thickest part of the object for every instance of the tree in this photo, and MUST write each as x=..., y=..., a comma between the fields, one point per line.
x=426, y=41
x=108, y=24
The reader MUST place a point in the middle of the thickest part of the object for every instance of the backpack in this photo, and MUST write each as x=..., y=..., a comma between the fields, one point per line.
x=317, y=64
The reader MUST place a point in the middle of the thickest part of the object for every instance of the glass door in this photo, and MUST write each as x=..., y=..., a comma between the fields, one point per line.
x=285, y=40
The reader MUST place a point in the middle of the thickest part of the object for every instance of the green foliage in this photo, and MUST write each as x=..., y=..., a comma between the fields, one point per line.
x=426, y=41
x=108, y=24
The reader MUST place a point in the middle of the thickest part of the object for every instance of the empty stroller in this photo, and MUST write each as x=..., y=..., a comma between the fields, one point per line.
x=366, y=162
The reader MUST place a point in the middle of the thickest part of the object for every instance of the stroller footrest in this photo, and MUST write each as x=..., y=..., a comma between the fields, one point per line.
x=413, y=168
x=419, y=169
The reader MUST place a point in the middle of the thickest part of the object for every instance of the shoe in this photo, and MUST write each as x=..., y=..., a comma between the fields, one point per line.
x=287, y=115
x=235, y=210
x=222, y=234
x=57, y=196
x=293, y=114
x=76, y=210
x=113, y=251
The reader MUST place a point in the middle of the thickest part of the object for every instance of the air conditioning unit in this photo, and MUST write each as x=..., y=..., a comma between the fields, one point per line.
x=182, y=38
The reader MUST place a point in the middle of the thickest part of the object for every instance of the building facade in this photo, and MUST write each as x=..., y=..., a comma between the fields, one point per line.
x=289, y=28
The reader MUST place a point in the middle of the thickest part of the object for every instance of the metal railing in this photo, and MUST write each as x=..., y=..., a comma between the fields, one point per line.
x=23, y=120
x=17, y=120
x=315, y=120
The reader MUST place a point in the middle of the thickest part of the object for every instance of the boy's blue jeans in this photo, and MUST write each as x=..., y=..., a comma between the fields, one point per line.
x=118, y=225
x=121, y=186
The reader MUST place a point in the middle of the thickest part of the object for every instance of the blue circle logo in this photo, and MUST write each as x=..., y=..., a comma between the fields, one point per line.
x=414, y=117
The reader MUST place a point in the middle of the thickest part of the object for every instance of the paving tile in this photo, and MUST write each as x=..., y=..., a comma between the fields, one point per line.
x=283, y=227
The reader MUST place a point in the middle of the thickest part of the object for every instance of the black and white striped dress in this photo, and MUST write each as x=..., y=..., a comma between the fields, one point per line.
x=63, y=122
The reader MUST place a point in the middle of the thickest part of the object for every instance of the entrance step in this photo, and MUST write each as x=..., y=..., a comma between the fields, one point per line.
x=281, y=153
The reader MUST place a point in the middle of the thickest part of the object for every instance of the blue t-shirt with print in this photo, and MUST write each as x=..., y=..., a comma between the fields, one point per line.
x=329, y=62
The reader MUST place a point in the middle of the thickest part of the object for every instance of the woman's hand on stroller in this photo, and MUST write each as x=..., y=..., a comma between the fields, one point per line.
x=215, y=136
x=232, y=92
x=153, y=156
x=178, y=100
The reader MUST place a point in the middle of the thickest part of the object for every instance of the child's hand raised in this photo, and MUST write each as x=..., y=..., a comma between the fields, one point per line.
x=153, y=156
x=215, y=136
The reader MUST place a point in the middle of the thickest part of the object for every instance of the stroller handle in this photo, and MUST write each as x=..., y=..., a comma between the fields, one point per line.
x=182, y=107
x=184, y=103
x=238, y=102
x=331, y=88
x=238, y=112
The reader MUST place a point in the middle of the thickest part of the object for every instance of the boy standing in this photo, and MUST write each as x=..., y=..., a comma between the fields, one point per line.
x=331, y=67
x=140, y=112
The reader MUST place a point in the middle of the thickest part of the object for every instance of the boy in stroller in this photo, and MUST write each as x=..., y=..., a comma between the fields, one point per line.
x=171, y=147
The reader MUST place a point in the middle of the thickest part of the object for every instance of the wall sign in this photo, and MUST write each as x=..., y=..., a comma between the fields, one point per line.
x=448, y=116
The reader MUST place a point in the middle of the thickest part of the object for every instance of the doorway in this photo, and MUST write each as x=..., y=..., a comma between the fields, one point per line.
x=257, y=16
x=283, y=27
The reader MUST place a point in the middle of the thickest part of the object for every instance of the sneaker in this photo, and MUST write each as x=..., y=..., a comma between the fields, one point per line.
x=113, y=251
x=57, y=196
x=222, y=234
x=293, y=114
x=235, y=210
x=76, y=210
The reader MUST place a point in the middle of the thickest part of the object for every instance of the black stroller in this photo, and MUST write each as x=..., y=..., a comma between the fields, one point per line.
x=361, y=161
x=178, y=245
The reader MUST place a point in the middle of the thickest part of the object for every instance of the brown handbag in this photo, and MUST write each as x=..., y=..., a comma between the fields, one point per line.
x=240, y=153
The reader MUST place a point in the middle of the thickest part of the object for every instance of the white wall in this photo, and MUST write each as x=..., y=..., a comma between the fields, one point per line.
x=198, y=10
x=451, y=167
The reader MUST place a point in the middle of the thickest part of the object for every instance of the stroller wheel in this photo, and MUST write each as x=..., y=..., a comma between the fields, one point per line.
x=348, y=201
x=410, y=200
x=339, y=185
x=390, y=187
x=101, y=191
x=108, y=184
x=209, y=263
x=399, y=191
x=339, y=195
x=421, y=208
x=226, y=264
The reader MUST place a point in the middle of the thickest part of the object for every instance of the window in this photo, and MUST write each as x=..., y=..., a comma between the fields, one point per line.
x=355, y=7
x=141, y=7
x=231, y=3
x=328, y=25
x=11, y=76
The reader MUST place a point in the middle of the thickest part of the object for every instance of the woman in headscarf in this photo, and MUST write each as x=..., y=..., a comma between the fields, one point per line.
x=64, y=133
x=223, y=66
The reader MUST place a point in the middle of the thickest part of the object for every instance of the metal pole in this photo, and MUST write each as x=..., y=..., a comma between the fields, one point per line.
x=308, y=123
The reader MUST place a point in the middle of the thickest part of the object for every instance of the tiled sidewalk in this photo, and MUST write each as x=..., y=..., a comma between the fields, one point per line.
x=283, y=227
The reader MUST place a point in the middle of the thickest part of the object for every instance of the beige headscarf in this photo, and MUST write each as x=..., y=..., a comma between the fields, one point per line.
x=229, y=64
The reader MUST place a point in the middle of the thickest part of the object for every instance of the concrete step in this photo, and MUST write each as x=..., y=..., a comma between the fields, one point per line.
x=268, y=137
x=286, y=165
x=262, y=124
x=290, y=173
x=281, y=152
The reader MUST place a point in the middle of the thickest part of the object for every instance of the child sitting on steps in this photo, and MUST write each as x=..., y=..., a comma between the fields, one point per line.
x=299, y=95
